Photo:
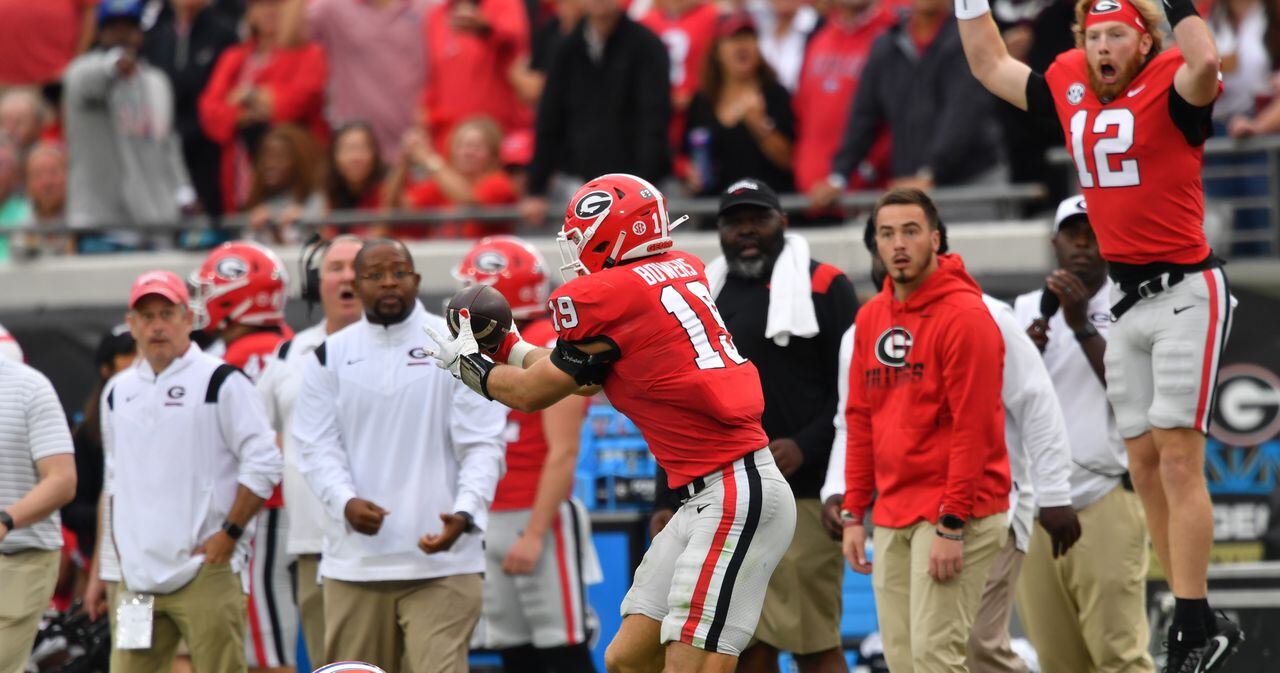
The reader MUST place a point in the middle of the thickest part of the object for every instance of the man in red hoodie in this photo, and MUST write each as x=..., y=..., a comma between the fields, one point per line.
x=925, y=431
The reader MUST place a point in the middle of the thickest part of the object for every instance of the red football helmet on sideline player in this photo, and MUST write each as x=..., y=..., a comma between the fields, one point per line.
x=514, y=268
x=239, y=282
x=614, y=218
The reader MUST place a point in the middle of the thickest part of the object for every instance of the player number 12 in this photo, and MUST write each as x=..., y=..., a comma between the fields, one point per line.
x=1104, y=148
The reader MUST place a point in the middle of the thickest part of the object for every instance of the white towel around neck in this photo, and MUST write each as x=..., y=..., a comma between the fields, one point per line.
x=791, y=311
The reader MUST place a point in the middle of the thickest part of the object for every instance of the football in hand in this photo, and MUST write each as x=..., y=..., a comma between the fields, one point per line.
x=490, y=315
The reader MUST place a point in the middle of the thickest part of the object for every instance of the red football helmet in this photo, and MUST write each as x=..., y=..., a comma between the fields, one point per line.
x=239, y=282
x=513, y=267
x=614, y=218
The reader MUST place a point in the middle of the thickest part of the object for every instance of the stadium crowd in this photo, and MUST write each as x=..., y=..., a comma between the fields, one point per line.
x=285, y=110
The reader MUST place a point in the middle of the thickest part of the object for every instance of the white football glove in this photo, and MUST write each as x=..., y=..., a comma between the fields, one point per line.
x=460, y=355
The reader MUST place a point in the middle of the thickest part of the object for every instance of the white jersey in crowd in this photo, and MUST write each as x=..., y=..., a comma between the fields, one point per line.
x=1097, y=450
x=376, y=419
x=177, y=447
x=1035, y=432
x=32, y=428
x=279, y=386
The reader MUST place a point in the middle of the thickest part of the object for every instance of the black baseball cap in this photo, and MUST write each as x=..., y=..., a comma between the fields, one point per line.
x=749, y=192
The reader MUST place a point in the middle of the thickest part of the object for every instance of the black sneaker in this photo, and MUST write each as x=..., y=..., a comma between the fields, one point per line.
x=1221, y=646
x=1181, y=659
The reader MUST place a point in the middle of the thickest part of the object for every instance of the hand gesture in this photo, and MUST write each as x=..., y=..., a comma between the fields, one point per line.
x=1072, y=295
x=1039, y=333
x=1062, y=526
x=787, y=455
x=454, y=526
x=217, y=549
x=946, y=558
x=831, y=517
x=448, y=352
x=364, y=516
x=854, y=544
x=523, y=555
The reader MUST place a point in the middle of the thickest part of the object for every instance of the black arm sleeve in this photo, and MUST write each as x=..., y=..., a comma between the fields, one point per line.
x=1039, y=97
x=1195, y=122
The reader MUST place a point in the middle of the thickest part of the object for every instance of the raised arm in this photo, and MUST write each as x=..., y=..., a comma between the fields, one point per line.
x=989, y=59
x=1197, y=79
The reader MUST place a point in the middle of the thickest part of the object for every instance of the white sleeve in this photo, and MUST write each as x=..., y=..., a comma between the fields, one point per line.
x=269, y=387
x=322, y=460
x=476, y=427
x=834, y=483
x=249, y=436
x=47, y=431
x=1032, y=404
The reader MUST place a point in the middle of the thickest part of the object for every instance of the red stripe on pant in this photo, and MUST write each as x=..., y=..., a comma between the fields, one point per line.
x=1210, y=350
x=729, y=513
x=566, y=592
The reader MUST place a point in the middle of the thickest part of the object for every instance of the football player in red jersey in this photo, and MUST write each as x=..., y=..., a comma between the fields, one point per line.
x=1136, y=119
x=238, y=297
x=638, y=317
x=538, y=555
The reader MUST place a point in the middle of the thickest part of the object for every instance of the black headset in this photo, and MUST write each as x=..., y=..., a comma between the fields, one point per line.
x=309, y=264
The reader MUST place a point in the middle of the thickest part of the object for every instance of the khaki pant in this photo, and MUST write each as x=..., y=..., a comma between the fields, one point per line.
x=370, y=622
x=989, y=648
x=802, y=607
x=208, y=614
x=311, y=607
x=27, y=580
x=926, y=624
x=1086, y=612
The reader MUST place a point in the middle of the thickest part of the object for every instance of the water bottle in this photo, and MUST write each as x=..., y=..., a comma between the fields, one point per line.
x=700, y=154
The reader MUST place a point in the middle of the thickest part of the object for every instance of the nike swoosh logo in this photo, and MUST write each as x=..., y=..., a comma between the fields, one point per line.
x=131, y=398
x=351, y=362
x=1220, y=645
x=1176, y=311
x=702, y=507
x=1134, y=92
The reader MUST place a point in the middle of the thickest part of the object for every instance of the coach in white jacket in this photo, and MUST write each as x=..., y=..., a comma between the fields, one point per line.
x=190, y=459
x=1039, y=462
x=405, y=460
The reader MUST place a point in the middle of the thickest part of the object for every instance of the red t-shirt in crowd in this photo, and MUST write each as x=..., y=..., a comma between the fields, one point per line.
x=38, y=38
x=832, y=69
x=1138, y=173
x=493, y=189
x=295, y=79
x=526, y=445
x=468, y=73
x=688, y=39
x=694, y=398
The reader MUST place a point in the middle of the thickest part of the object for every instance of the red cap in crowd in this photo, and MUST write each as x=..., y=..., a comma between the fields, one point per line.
x=164, y=283
x=734, y=23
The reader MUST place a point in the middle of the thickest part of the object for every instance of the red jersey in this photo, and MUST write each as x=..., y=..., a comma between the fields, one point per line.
x=526, y=443
x=832, y=69
x=925, y=418
x=688, y=39
x=252, y=353
x=468, y=73
x=1139, y=175
x=694, y=398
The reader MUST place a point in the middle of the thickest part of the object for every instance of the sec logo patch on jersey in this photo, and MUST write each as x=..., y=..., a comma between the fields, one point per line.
x=1075, y=93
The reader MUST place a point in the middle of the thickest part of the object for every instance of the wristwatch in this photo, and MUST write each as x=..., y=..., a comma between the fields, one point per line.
x=1087, y=331
x=847, y=520
x=951, y=522
x=6, y=521
x=233, y=531
x=471, y=520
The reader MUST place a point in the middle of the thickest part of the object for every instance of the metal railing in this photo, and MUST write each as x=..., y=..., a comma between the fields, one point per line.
x=1005, y=200
x=1267, y=168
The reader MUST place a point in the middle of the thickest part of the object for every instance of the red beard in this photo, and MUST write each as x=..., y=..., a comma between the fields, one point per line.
x=1124, y=77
